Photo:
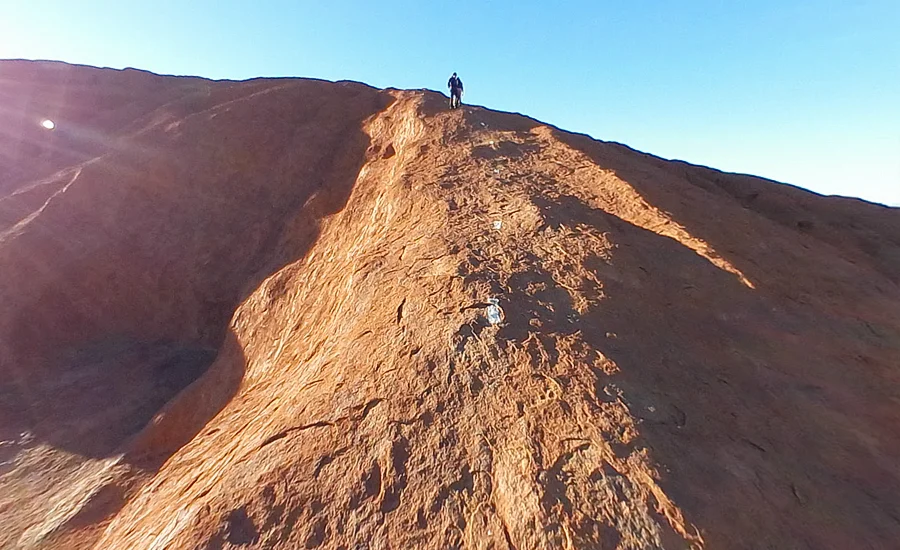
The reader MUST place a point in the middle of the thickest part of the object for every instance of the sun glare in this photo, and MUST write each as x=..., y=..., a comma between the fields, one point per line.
x=48, y=124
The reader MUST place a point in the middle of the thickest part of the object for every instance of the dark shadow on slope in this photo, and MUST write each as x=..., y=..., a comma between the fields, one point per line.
x=112, y=334
x=736, y=398
x=108, y=391
x=179, y=420
x=718, y=207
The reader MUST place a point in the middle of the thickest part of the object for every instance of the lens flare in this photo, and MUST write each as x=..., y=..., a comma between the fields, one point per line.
x=48, y=124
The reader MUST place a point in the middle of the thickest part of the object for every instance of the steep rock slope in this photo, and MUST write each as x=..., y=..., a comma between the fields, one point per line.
x=255, y=317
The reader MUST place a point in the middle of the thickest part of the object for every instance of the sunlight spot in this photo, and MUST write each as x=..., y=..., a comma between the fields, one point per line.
x=48, y=124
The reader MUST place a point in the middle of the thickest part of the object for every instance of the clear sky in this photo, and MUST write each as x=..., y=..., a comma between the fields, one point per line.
x=801, y=91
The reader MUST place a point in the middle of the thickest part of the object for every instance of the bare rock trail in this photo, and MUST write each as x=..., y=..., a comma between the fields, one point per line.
x=254, y=315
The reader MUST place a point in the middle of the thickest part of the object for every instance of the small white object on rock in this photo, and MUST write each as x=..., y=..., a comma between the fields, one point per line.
x=498, y=225
x=494, y=315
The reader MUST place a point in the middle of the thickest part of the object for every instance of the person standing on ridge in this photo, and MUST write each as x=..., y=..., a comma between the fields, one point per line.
x=456, y=91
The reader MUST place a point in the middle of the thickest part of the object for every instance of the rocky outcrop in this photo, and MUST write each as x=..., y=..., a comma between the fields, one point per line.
x=255, y=315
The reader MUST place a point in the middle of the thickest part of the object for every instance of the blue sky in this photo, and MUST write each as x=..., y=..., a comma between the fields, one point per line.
x=802, y=91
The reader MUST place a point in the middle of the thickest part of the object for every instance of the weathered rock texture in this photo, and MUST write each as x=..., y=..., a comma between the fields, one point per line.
x=252, y=315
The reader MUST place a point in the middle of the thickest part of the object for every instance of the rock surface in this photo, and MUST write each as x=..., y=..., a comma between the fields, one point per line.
x=254, y=315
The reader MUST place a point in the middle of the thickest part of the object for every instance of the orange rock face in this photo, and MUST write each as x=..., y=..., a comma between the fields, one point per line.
x=257, y=315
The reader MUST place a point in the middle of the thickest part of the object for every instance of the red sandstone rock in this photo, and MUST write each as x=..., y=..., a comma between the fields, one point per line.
x=252, y=315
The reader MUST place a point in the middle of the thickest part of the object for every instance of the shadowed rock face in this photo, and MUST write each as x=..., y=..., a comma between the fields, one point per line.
x=252, y=315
